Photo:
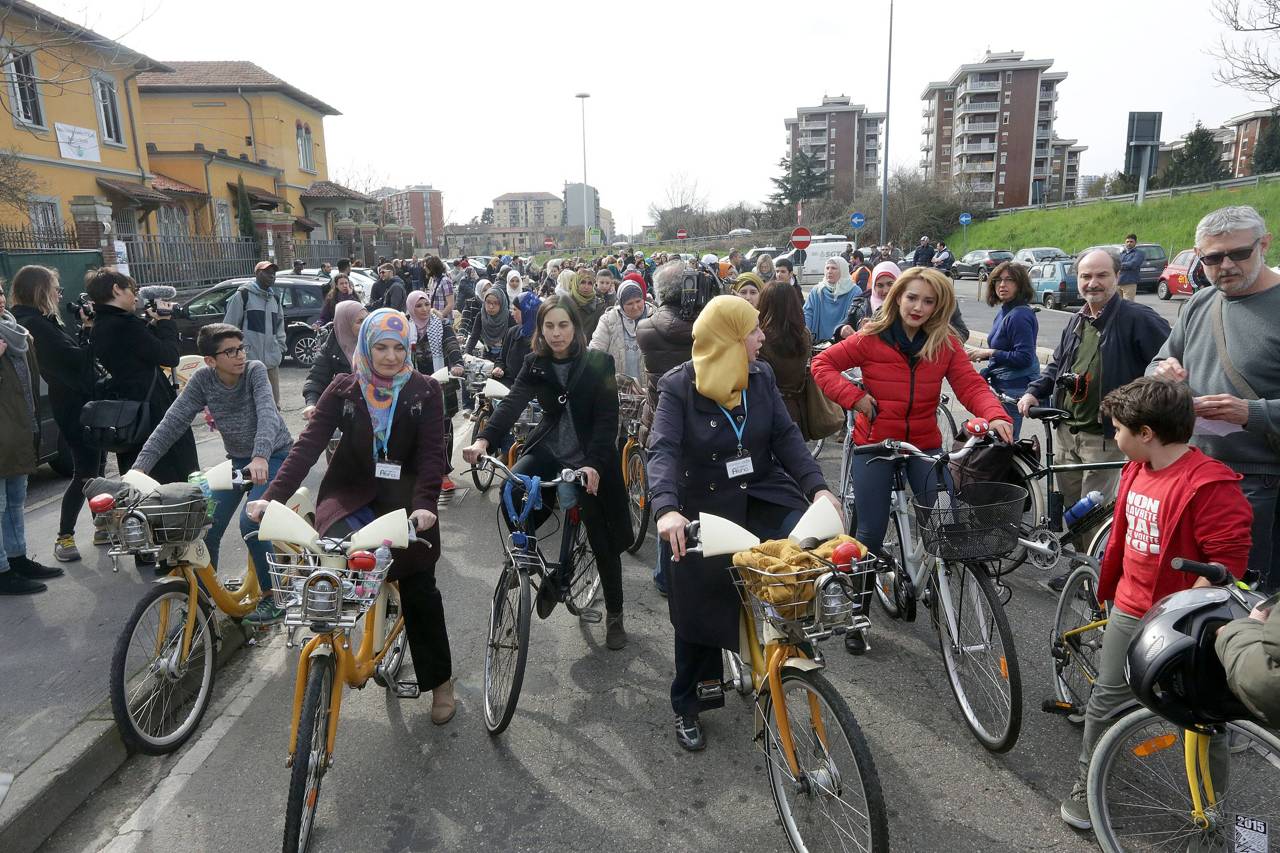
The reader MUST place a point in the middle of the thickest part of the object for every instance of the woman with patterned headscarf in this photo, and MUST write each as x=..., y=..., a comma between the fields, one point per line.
x=586, y=301
x=391, y=456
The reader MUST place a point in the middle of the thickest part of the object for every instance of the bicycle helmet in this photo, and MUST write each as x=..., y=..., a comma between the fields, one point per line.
x=1171, y=663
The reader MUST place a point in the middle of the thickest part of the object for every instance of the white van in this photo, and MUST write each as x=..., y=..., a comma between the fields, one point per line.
x=815, y=257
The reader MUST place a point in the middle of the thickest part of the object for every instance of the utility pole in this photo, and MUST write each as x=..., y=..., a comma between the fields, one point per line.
x=582, y=97
x=884, y=182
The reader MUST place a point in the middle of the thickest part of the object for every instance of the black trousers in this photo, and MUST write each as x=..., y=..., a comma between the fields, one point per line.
x=537, y=462
x=88, y=463
x=425, y=629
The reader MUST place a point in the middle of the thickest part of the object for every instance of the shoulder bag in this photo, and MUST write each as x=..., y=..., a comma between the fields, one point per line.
x=1241, y=385
x=118, y=426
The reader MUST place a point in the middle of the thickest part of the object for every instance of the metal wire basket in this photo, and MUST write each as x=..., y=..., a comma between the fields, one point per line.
x=980, y=521
x=147, y=527
x=320, y=588
x=809, y=602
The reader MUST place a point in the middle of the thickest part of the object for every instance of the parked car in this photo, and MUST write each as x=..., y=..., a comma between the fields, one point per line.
x=301, y=297
x=754, y=253
x=811, y=262
x=53, y=447
x=740, y=232
x=1175, y=278
x=1055, y=283
x=362, y=279
x=979, y=263
x=1039, y=254
x=1154, y=262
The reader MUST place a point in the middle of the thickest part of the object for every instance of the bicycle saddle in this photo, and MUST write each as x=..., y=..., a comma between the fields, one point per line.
x=1047, y=413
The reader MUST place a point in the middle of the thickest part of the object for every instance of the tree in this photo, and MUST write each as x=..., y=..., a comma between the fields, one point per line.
x=1097, y=189
x=1250, y=62
x=243, y=211
x=1199, y=161
x=486, y=216
x=17, y=182
x=800, y=181
x=1266, y=153
x=1122, y=183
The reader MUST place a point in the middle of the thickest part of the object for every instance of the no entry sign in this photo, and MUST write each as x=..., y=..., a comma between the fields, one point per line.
x=801, y=238
x=681, y=234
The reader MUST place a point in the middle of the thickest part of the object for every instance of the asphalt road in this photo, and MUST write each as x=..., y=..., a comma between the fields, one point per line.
x=590, y=760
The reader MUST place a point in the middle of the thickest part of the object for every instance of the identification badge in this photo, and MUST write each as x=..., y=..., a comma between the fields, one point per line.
x=386, y=470
x=739, y=467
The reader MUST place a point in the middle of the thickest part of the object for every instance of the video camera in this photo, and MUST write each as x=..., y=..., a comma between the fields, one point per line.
x=698, y=288
x=153, y=293
x=82, y=304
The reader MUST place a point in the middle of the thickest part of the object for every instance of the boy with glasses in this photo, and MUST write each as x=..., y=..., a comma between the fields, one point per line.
x=238, y=396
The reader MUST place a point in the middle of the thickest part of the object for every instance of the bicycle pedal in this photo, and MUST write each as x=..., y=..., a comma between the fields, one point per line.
x=591, y=616
x=1054, y=706
x=709, y=690
x=407, y=690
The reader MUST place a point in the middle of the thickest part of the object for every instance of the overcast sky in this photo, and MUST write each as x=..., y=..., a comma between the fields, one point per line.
x=477, y=98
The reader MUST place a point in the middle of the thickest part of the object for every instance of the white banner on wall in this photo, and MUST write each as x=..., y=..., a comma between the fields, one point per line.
x=77, y=143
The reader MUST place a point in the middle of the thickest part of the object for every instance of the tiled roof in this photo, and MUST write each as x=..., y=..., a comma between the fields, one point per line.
x=225, y=76
x=256, y=194
x=308, y=224
x=164, y=183
x=527, y=197
x=136, y=192
x=122, y=56
x=328, y=189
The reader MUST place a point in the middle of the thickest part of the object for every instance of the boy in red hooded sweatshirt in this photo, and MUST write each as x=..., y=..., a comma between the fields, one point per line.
x=1173, y=501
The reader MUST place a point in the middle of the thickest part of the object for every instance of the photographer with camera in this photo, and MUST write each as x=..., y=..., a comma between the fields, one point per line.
x=67, y=368
x=133, y=350
x=257, y=312
x=1108, y=343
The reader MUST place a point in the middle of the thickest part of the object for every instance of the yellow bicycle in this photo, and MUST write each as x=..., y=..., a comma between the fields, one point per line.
x=634, y=458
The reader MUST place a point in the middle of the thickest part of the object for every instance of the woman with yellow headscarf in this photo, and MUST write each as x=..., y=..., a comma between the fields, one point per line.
x=722, y=442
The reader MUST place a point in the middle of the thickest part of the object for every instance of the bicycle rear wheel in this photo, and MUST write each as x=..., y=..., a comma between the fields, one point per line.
x=310, y=757
x=637, y=497
x=507, y=648
x=585, y=584
x=977, y=651
x=1075, y=657
x=157, y=698
x=836, y=803
x=482, y=479
x=1139, y=798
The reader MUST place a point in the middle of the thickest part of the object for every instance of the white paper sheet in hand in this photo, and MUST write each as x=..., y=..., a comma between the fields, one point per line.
x=1205, y=426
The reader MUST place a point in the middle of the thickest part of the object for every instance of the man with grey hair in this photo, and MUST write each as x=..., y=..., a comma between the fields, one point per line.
x=1225, y=345
x=1109, y=342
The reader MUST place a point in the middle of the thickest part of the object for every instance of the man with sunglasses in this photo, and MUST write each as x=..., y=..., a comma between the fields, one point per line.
x=1225, y=345
x=238, y=395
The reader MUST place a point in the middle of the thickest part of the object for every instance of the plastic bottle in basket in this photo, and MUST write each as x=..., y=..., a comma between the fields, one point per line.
x=1083, y=507
x=381, y=562
x=199, y=479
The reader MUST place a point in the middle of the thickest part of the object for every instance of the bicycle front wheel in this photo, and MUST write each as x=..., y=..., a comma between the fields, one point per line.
x=977, y=651
x=387, y=672
x=157, y=696
x=835, y=802
x=637, y=497
x=585, y=584
x=482, y=478
x=1075, y=652
x=310, y=756
x=507, y=648
x=1139, y=797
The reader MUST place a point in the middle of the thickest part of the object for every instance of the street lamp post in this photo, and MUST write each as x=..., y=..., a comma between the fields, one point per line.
x=582, y=97
x=884, y=137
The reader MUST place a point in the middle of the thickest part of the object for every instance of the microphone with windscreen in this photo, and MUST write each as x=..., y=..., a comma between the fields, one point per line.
x=153, y=293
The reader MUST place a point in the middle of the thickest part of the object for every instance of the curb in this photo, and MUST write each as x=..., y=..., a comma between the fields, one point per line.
x=66, y=775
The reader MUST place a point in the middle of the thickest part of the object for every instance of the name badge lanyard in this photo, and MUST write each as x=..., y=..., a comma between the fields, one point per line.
x=380, y=445
x=738, y=429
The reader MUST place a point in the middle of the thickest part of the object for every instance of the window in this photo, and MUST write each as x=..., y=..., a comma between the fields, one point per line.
x=44, y=217
x=21, y=70
x=946, y=96
x=104, y=95
x=222, y=219
x=1001, y=177
x=833, y=131
x=946, y=151
x=307, y=297
x=1006, y=118
x=1004, y=156
x=306, y=151
x=211, y=303
x=1008, y=76
x=1007, y=97
x=173, y=221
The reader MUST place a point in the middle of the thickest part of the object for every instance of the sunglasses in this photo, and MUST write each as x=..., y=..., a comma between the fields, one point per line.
x=1237, y=255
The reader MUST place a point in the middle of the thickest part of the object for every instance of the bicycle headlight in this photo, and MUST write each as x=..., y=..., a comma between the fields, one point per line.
x=836, y=596
x=320, y=597
x=133, y=532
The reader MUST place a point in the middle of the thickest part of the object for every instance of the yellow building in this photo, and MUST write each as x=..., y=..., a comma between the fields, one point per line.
x=208, y=123
x=73, y=128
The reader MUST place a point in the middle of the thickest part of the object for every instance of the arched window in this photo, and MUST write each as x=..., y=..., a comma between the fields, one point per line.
x=306, y=149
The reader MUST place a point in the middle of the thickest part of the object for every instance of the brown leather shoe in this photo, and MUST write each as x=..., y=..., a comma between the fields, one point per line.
x=443, y=705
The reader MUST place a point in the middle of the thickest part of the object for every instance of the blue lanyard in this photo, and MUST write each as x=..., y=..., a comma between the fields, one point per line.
x=738, y=429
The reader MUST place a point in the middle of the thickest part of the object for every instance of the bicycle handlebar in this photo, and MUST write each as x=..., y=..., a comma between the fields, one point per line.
x=1215, y=573
x=567, y=475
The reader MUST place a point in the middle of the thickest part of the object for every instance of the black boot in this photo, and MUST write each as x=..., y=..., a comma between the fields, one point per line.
x=12, y=583
x=32, y=570
x=855, y=643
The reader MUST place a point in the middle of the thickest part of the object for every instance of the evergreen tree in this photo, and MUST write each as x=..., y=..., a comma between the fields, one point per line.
x=1199, y=161
x=800, y=181
x=1122, y=183
x=1266, y=151
x=243, y=214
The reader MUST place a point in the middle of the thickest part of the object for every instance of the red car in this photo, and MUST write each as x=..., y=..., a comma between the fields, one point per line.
x=1176, y=278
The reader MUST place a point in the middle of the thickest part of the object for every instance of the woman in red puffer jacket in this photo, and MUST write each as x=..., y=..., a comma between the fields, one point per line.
x=904, y=353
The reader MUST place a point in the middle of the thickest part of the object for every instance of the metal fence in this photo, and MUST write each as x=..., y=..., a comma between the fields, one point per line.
x=384, y=250
x=187, y=263
x=316, y=252
x=57, y=237
x=1132, y=198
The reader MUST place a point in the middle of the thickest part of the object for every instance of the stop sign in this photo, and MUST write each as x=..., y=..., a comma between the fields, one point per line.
x=801, y=238
x=681, y=234
x=549, y=243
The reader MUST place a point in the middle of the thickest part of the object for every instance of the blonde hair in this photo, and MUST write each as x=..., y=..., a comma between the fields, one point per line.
x=37, y=287
x=937, y=329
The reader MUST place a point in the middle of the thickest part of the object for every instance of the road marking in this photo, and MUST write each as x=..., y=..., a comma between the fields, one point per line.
x=134, y=833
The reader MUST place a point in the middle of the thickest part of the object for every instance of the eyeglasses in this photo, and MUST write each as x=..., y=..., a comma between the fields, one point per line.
x=234, y=352
x=1215, y=259
x=1005, y=279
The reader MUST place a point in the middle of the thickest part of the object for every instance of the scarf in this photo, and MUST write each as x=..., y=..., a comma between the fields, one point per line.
x=431, y=327
x=844, y=283
x=719, y=351
x=381, y=393
x=564, y=281
x=896, y=335
x=13, y=334
x=493, y=328
x=749, y=278
x=344, y=315
x=528, y=303
x=575, y=291
x=881, y=268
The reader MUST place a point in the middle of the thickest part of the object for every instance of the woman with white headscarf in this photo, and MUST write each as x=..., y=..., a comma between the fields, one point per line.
x=515, y=286
x=828, y=302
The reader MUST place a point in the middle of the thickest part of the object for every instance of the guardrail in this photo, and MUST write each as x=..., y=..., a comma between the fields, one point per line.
x=1130, y=198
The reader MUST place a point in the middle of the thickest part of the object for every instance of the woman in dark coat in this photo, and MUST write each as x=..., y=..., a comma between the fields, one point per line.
x=702, y=406
x=579, y=397
x=787, y=343
x=491, y=325
x=336, y=354
x=341, y=290
x=133, y=351
x=518, y=341
x=388, y=412
x=434, y=345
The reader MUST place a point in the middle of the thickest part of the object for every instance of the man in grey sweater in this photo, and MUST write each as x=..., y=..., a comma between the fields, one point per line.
x=257, y=312
x=1236, y=425
x=238, y=396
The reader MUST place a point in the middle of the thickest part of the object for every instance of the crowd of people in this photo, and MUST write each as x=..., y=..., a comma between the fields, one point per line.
x=723, y=349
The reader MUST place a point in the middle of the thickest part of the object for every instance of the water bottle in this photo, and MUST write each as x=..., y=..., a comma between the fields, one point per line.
x=1083, y=507
x=199, y=479
x=382, y=562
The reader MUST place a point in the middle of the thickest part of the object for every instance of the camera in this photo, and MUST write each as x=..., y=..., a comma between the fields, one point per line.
x=151, y=294
x=82, y=303
x=1075, y=384
x=699, y=288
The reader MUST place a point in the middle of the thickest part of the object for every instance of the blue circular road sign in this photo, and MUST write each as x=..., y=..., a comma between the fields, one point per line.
x=857, y=220
x=965, y=219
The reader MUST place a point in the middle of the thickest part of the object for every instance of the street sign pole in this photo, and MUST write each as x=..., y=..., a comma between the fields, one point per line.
x=965, y=219
x=884, y=140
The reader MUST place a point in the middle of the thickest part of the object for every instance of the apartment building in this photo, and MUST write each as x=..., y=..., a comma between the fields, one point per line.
x=421, y=207
x=990, y=129
x=528, y=210
x=844, y=138
x=1236, y=139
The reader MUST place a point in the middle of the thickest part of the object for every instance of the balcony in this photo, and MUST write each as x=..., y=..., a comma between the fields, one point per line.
x=927, y=111
x=1050, y=94
x=1044, y=132
x=982, y=188
x=927, y=126
x=813, y=125
x=1042, y=151
x=978, y=168
x=977, y=148
x=1040, y=173
x=971, y=85
x=978, y=107
x=926, y=145
x=976, y=127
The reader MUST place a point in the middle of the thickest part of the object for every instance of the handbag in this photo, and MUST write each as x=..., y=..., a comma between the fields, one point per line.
x=820, y=416
x=118, y=426
x=1242, y=386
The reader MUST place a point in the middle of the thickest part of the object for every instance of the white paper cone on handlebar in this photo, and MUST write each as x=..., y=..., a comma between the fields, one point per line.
x=393, y=526
x=720, y=536
x=442, y=375
x=495, y=390
x=140, y=481
x=219, y=476
x=281, y=524
x=820, y=521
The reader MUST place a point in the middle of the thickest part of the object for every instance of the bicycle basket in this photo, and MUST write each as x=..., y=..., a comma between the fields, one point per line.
x=979, y=521
x=341, y=605
x=793, y=589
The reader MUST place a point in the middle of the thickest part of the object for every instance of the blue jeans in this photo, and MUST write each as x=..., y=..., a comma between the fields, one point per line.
x=1015, y=388
x=872, y=482
x=13, y=495
x=1263, y=492
x=228, y=503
